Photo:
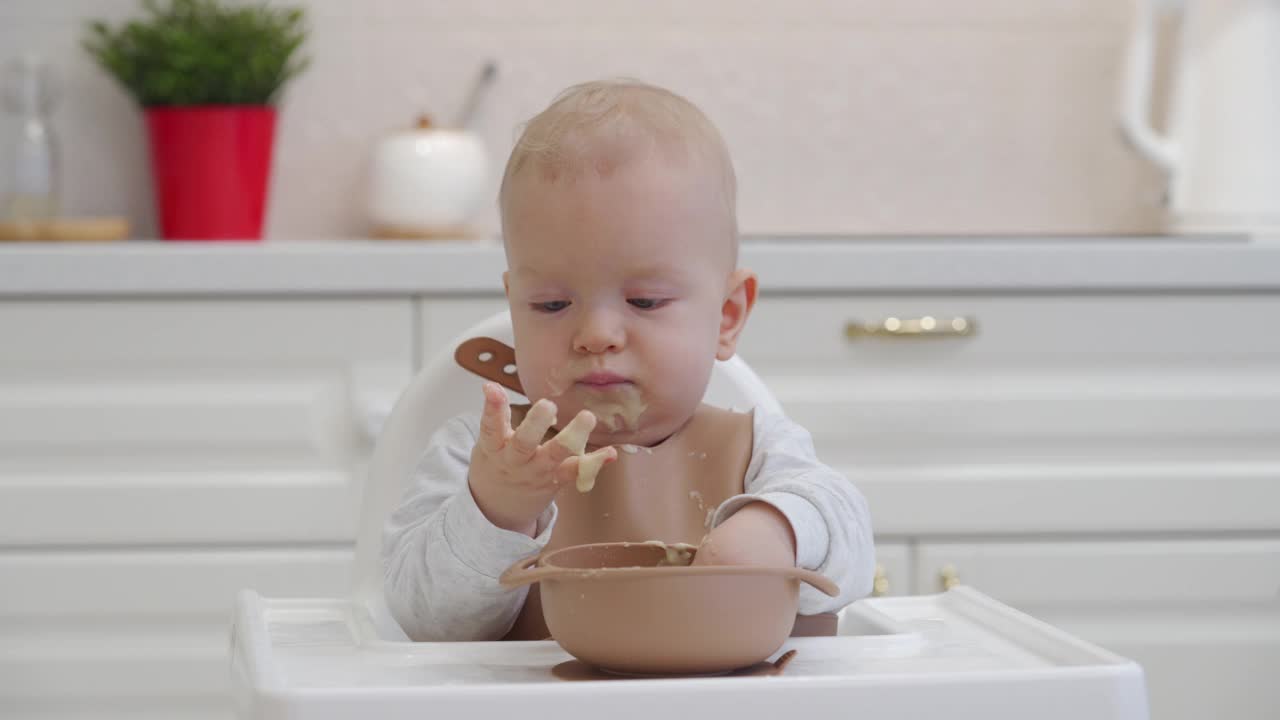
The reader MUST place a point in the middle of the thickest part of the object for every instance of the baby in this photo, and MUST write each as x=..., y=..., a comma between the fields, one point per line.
x=619, y=217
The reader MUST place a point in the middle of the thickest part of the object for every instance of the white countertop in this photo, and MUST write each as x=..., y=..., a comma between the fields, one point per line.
x=800, y=265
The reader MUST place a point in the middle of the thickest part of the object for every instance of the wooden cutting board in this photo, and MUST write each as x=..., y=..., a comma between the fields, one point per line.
x=80, y=229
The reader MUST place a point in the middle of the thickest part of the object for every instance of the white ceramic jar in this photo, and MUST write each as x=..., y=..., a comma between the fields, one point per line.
x=427, y=182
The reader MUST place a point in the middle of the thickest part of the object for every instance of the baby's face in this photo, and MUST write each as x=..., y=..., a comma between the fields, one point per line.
x=616, y=288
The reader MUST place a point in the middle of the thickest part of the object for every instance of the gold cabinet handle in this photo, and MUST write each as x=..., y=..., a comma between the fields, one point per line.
x=948, y=577
x=926, y=326
x=880, y=586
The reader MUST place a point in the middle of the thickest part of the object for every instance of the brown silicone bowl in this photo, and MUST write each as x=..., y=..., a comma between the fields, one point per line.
x=612, y=606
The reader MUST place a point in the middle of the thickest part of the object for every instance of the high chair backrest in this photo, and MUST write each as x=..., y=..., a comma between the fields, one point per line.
x=440, y=391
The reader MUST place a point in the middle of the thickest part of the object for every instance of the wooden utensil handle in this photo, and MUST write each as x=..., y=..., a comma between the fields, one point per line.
x=490, y=359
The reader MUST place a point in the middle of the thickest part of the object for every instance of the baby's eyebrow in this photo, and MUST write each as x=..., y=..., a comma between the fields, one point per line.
x=530, y=275
x=661, y=275
x=658, y=275
x=656, y=269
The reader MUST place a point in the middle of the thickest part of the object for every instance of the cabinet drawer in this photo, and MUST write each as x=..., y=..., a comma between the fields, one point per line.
x=137, y=629
x=1068, y=378
x=1150, y=397
x=190, y=420
x=1012, y=331
x=1170, y=573
x=146, y=583
x=1201, y=617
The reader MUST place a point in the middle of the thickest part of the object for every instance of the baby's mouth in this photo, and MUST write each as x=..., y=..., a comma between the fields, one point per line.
x=615, y=401
x=602, y=380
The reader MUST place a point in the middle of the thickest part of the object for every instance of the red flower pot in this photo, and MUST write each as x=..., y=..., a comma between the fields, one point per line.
x=211, y=166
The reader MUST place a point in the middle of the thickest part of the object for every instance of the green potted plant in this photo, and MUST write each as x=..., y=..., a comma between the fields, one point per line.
x=207, y=75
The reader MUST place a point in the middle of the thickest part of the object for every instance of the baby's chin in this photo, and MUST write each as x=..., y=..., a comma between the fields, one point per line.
x=645, y=434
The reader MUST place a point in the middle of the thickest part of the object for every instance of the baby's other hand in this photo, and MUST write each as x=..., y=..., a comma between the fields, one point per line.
x=758, y=534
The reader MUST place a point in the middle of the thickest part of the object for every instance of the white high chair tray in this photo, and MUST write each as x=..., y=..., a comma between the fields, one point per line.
x=959, y=653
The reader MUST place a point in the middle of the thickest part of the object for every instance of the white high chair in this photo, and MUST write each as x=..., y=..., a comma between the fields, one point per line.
x=326, y=659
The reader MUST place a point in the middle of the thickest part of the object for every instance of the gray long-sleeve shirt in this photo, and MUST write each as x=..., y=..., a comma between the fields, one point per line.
x=442, y=557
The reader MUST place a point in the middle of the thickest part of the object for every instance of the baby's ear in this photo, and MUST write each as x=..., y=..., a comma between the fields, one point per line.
x=737, y=306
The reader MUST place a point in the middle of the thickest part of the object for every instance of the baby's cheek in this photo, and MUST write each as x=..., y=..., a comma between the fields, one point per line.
x=557, y=377
x=534, y=383
x=686, y=372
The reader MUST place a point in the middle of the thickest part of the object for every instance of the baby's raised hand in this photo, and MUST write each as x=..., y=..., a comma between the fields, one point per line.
x=514, y=474
x=758, y=534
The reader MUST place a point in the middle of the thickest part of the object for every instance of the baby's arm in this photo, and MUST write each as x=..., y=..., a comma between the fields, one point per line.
x=757, y=534
x=480, y=501
x=830, y=527
x=442, y=557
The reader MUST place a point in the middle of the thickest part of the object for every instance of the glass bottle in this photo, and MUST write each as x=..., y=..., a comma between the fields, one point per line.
x=31, y=190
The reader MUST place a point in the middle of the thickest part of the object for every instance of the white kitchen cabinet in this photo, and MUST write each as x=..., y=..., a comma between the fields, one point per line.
x=1107, y=459
x=190, y=421
x=1201, y=616
x=157, y=456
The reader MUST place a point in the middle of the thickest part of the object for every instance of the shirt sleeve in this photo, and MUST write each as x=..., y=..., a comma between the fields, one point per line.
x=441, y=555
x=828, y=514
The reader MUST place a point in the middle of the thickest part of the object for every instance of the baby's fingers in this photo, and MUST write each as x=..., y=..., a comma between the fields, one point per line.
x=581, y=470
x=524, y=443
x=570, y=441
x=495, y=421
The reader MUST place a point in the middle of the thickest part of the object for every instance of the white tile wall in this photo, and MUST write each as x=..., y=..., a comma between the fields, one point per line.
x=844, y=116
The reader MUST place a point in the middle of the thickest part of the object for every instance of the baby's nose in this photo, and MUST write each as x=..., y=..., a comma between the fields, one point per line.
x=599, y=332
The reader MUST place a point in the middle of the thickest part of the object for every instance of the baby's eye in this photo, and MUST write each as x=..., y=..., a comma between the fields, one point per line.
x=553, y=306
x=646, y=303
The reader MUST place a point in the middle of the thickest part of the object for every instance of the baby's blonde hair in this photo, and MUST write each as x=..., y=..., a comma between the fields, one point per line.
x=598, y=127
